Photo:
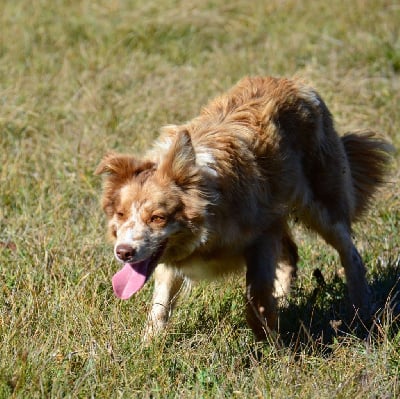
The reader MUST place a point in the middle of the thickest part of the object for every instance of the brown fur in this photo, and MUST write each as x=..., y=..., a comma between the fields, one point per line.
x=223, y=185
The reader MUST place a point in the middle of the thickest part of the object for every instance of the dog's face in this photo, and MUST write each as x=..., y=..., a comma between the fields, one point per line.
x=143, y=216
x=155, y=212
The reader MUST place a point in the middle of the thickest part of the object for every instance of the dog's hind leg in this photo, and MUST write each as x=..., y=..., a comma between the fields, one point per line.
x=339, y=236
x=337, y=232
x=167, y=287
x=261, y=259
x=327, y=206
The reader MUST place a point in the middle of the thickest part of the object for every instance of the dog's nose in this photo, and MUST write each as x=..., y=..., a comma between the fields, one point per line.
x=125, y=252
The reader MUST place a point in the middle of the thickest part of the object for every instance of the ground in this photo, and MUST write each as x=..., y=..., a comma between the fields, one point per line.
x=78, y=78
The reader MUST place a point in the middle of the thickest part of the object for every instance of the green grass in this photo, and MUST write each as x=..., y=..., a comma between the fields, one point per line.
x=78, y=78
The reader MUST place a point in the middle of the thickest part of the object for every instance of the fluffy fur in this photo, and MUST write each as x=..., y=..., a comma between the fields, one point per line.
x=215, y=194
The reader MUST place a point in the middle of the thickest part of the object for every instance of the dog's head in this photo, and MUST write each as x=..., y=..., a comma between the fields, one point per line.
x=155, y=211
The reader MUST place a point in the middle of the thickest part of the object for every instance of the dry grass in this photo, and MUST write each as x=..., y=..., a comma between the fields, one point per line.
x=78, y=78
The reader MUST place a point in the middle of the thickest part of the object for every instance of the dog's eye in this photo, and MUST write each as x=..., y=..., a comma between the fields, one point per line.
x=158, y=219
x=120, y=214
x=114, y=231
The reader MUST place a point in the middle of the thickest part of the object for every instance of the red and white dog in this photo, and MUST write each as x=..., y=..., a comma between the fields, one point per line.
x=214, y=195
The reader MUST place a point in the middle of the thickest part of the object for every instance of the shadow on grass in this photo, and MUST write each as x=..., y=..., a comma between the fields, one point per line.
x=316, y=320
x=313, y=321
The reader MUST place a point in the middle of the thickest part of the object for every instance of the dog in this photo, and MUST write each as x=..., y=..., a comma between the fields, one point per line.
x=214, y=195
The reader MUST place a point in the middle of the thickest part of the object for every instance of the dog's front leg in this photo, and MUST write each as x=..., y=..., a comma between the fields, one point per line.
x=286, y=270
x=167, y=286
x=261, y=260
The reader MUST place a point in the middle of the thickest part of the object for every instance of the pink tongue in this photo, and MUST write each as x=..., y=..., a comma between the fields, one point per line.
x=129, y=279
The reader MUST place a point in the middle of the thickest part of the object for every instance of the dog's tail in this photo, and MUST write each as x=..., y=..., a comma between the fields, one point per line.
x=369, y=157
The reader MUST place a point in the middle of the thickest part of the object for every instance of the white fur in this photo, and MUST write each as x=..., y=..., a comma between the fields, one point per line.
x=205, y=160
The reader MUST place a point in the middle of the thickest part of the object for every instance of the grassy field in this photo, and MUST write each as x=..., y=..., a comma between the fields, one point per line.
x=80, y=77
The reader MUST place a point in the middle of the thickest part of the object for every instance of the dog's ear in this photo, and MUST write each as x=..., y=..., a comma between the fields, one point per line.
x=122, y=166
x=180, y=162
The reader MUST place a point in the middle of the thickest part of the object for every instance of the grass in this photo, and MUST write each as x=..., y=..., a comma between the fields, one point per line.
x=78, y=78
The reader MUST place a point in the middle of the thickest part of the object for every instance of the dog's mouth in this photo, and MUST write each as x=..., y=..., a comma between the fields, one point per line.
x=133, y=276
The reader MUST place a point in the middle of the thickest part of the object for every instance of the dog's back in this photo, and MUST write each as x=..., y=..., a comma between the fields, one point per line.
x=277, y=135
x=272, y=141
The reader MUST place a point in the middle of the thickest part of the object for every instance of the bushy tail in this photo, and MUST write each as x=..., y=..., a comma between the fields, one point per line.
x=369, y=158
